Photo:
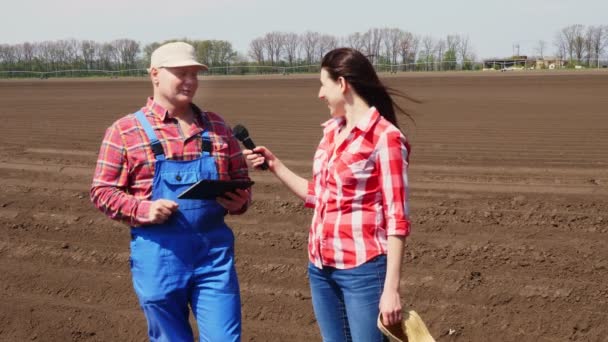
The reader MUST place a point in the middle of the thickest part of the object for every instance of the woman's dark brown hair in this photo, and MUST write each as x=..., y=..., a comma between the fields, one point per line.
x=357, y=70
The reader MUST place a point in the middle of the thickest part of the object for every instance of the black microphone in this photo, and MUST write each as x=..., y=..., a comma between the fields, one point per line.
x=240, y=132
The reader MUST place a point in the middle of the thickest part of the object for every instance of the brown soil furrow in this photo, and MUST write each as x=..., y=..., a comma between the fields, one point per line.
x=508, y=188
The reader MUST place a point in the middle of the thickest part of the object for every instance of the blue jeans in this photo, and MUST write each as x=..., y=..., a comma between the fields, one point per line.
x=346, y=301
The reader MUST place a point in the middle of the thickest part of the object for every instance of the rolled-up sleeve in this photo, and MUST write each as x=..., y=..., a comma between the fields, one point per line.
x=392, y=159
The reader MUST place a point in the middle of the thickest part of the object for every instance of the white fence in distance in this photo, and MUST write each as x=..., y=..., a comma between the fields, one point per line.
x=502, y=65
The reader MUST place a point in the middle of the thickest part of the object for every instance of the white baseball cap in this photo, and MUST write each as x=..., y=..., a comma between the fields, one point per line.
x=176, y=54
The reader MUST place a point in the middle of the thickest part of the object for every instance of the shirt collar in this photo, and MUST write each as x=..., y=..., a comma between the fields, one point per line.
x=160, y=111
x=366, y=122
x=156, y=109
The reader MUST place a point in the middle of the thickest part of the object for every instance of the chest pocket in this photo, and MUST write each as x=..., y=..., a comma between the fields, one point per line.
x=178, y=181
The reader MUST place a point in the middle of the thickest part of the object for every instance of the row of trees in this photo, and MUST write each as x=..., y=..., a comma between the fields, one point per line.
x=580, y=44
x=393, y=46
x=120, y=54
x=381, y=45
x=70, y=54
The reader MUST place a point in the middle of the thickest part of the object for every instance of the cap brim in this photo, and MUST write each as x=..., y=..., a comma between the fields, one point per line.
x=179, y=64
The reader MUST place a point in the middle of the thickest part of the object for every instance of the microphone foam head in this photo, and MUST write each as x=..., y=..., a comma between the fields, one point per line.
x=240, y=132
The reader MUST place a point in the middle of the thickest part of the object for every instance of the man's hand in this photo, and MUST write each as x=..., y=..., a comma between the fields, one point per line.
x=160, y=210
x=234, y=201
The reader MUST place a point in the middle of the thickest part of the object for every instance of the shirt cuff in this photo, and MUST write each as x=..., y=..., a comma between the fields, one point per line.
x=398, y=228
x=142, y=215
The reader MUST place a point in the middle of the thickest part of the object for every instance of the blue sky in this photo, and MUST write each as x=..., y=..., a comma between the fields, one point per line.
x=493, y=26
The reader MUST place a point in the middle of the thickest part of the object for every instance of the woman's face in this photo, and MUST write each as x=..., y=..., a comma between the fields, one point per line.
x=332, y=92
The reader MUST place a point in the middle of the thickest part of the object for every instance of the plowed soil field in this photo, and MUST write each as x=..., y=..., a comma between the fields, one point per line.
x=509, y=197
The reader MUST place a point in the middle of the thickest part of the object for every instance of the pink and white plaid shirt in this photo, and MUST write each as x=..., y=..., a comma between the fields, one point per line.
x=359, y=193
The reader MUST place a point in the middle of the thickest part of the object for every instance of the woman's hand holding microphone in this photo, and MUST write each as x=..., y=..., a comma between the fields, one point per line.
x=256, y=157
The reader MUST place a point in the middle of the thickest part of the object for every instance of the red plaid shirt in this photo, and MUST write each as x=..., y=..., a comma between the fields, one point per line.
x=359, y=194
x=122, y=184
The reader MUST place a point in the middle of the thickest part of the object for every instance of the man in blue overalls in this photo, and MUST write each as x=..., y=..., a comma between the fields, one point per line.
x=182, y=252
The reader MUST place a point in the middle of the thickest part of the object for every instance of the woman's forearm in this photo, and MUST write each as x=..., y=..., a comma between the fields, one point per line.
x=295, y=183
x=393, y=264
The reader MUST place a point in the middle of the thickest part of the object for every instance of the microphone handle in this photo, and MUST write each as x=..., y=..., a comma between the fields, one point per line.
x=247, y=142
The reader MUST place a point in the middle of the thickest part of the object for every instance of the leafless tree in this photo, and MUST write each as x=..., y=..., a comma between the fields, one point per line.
x=88, y=51
x=588, y=45
x=274, y=42
x=108, y=57
x=579, y=45
x=415, y=47
x=405, y=46
x=598, y=41
x=372, y=40
x=292, y=45
x=452, y=42
x=8, y=54
x=604, y=40
x=440, y=49
x=256, y=50
x=355, y=41
x=310, y=45
x=52, y=54
x=326, y=43
x=464, y=48
x=540, y=48
x=44, y=54
x=561, y=46
x=18, y=53
x=60, y=53
x=125, y=52
x=408, y=47
x=573, y=40
x=29, y=52
x=392, y=38
x=74, y=51
x=428, y=46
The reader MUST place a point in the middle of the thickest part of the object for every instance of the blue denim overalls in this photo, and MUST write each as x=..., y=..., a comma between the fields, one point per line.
x=189, y=259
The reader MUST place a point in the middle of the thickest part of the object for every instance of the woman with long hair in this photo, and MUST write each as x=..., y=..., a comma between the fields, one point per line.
x=359, y=193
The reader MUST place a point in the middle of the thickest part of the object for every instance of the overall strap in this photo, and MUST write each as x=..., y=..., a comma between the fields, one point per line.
x=157, y=147
x=207, y=146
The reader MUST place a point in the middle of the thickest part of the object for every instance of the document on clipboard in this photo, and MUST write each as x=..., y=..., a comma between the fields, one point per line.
x=211, y=189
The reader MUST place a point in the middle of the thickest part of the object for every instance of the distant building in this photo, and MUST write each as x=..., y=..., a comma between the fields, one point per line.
x=515, y=62
x=549, y=63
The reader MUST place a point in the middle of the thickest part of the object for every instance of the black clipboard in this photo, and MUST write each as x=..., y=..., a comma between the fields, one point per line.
x=211, y=189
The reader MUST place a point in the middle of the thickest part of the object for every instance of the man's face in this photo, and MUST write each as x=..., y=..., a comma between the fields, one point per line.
x=177, y=85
